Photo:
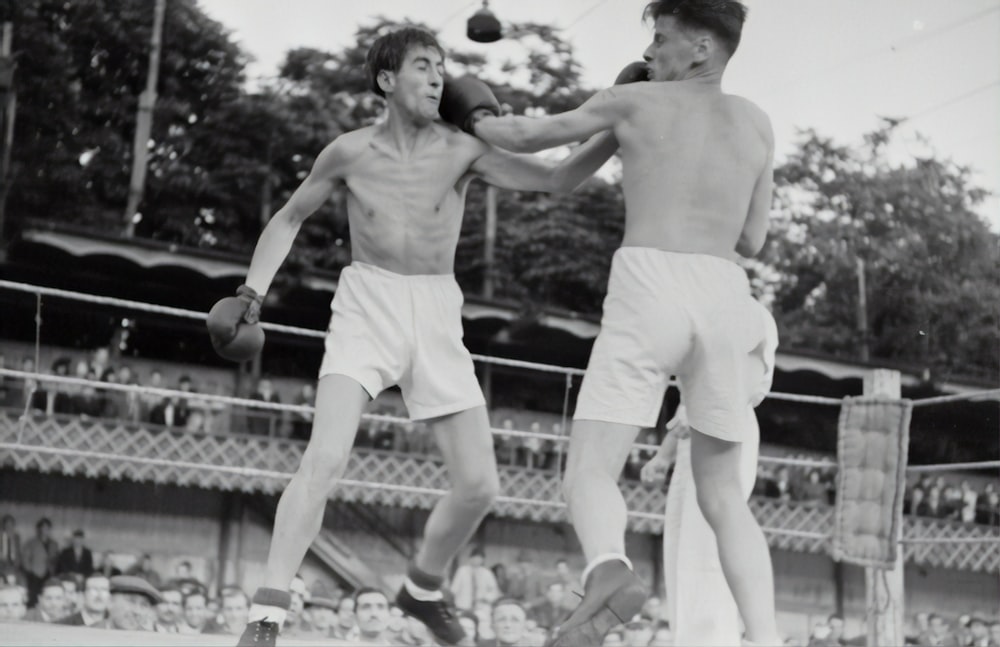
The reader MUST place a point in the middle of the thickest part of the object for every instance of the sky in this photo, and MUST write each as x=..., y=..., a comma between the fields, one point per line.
x=832, y=65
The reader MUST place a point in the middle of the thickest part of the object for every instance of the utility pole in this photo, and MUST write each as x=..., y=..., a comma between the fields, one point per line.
x=144, y=122
x=862, y=308
x=8, y=106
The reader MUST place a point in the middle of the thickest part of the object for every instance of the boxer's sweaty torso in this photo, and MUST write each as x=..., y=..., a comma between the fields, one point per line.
x=405, y=207
x=691, y=157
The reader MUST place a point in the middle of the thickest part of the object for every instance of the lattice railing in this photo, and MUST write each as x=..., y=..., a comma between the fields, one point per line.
x=259, y=464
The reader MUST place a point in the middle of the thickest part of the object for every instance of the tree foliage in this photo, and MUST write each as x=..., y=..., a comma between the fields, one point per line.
x=929, y=262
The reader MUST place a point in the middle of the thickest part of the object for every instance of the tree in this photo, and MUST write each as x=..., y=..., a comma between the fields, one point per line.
x=929, y=261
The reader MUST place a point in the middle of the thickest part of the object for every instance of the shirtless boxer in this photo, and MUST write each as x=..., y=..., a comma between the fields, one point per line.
x=396, y=315
x=700, y=607
x=697, y=176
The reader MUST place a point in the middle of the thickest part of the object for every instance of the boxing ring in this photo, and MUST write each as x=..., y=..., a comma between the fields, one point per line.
x=242, y=462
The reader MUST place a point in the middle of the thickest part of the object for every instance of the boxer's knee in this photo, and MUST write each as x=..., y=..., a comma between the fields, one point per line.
x=719, y=498
x=479, y=491
x=321, y=468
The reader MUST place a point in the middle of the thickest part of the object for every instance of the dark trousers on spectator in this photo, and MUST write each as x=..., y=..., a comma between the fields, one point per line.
x=34, y=587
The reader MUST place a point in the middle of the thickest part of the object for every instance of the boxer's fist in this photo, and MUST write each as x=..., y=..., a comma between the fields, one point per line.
x=655, y=471
x=633, y=72
x=234, y=325
x=466, y=100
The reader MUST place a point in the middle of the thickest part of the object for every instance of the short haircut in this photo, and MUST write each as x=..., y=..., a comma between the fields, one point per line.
x=508, y=602
x=52, y=583
x=193, y=594
x=389, y=50
x=44, y=521
x=365, y=590
x=234, y=592
x=722, y=18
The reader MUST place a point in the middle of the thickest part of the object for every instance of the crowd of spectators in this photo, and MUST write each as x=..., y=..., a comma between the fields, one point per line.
x=519, y=602
x=930, y=496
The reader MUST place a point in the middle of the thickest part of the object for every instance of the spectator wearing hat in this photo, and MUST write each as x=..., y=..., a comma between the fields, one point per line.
x=132, y=605
x=75, y=558
x=96, y=597
x=51, y=605
x=979, y=633
x=322, y=616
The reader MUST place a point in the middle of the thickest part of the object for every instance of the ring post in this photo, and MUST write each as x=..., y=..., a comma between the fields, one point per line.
x=884, y=588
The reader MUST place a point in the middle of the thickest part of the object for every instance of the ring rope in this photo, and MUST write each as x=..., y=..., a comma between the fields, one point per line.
x=292, y=330
x=191, y=314
x=943, y=399
x=945, y=467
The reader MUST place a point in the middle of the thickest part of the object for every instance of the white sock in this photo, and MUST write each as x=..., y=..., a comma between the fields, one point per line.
x=268, y=613
x=422, y=594
x=600, y=559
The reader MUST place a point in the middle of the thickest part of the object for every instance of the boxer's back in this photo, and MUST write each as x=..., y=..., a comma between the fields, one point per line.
x=692, y=156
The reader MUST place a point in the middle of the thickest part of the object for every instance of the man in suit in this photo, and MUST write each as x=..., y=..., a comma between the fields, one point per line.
x=75, y=558
x=51, y=605
x=96, y=596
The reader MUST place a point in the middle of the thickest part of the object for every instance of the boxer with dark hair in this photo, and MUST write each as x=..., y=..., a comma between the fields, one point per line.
x=396, y=316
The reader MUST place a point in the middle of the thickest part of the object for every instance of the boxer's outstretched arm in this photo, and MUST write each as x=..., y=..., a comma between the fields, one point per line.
x=530, y=173
x=276, y=240
x=531, y=134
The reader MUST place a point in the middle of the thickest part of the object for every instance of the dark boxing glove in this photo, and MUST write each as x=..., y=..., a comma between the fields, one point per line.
x=234, y=325
x=462, y=98
x=633, y=72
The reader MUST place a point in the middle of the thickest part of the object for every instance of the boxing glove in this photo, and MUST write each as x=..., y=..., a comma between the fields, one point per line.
x=234, y=325
x=462, y=98
x=633, y=72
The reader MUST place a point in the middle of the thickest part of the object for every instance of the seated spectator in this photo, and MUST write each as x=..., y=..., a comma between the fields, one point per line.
x=912, y=502
x=812, y=491
x=346, y=628
x=933, y=506
x=51, y=605
x=371, y=611
x=110, y=406
x=302, y=420
x=510, y=622
x=87, y=402
x=60, y=401
x=638, y=631
x=548, y=611
x=322, y=617
x=295, y=622
x=13, y=603
x=662, y=635
x=132, y=604
x=979, y=633
x=937, y=632
x=75, y=558
x=474, y=584
x=196, y=615
x=417, y=634
x=149, y=401
x=951, y=499
x=10, y=547
x=173, y=411
x=234, y=612
x=265, y=422
x=988, y=506
x=469, y=622
x=614, y=638
x=72, y=585
x=781, y=487
x=106, y=565
x=96, y=598
x=38, y=558
x=144, y=569
x=33, y=393
x=995, y=633
x=185, y=580
x=504, y=444
x=969, y=496
x=169, y=612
